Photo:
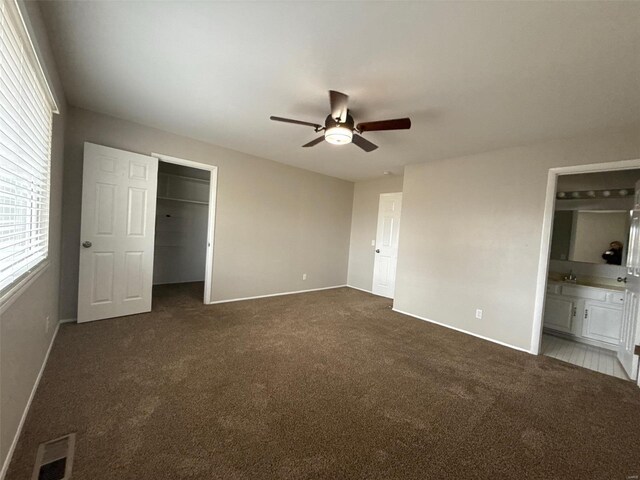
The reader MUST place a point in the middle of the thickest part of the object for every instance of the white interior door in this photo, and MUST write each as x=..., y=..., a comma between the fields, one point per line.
x=117, y=233
x=386, y=257
x=631, y=314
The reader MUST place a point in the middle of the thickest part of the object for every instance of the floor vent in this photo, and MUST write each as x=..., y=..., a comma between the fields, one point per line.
x=55, y=459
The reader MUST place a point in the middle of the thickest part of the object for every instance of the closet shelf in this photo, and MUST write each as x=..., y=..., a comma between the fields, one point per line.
x=183, y=200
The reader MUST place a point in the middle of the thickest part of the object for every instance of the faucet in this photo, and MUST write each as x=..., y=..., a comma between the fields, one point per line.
x=571, y=277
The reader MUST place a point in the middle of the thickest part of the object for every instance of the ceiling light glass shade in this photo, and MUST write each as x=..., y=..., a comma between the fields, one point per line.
x=338, y=135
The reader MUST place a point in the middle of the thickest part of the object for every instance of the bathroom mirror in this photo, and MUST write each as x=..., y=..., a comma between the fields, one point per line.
x=585, y=235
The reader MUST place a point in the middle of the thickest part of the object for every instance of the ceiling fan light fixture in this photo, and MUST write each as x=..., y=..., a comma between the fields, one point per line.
x=338, y=135
x=341, y=129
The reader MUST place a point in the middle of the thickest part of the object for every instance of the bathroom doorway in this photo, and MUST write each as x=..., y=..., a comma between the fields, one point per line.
x=588, y=315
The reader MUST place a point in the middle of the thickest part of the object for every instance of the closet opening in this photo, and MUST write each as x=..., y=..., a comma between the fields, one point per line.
x=183, y=249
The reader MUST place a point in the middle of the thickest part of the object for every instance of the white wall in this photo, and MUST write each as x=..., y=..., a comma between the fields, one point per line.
x=273, y=222
x=24, y=335
x=364, y=222
x=471, y=232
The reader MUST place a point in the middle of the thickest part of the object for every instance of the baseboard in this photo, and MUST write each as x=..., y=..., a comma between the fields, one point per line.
x=361, y=289
x=69, y=320
x=178, y=283
x=369, y=291
x=464, y=331
x=274, y=295
x=7, y=460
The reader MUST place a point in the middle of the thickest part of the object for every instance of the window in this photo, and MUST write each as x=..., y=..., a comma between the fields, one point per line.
x=26, y=112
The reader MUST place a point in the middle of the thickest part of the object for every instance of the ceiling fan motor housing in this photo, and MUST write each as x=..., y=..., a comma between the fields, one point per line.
x=338, y=133
x=332, y=122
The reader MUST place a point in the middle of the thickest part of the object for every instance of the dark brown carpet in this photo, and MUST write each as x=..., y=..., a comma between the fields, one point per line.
x=323, y=385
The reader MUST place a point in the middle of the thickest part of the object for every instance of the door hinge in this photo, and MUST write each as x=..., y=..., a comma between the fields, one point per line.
x=586, y=313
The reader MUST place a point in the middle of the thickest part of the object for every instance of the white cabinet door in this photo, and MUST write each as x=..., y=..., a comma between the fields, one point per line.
x=117, y=233
x=558, y=313
x=386, y=257
x=602, y=322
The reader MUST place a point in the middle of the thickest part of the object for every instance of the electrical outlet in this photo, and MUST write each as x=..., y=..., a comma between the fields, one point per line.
x=304, y=276
x=479, y=314
x=48, y=324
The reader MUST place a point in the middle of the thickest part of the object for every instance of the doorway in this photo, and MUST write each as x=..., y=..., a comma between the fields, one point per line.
x=185, y=226
x=386, y=248
x=180, y=248
x=118, y=222
x=586, y=312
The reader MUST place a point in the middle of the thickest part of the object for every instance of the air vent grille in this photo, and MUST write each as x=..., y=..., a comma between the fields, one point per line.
x=55, y=459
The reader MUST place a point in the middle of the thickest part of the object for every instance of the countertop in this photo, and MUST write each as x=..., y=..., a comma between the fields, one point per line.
x=594, y=282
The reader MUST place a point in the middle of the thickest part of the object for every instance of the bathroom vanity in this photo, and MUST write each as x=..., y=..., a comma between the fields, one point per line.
x=587, y=313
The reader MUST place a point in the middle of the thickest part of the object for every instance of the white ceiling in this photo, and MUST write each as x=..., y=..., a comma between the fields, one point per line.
x=472, y=76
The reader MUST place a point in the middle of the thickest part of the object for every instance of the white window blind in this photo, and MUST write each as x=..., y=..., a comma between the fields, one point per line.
x=25, y=151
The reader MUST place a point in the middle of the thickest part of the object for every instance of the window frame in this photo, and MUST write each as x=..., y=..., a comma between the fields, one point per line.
x=12, y=10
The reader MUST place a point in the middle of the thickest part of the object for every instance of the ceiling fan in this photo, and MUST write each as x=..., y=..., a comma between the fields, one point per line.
x=340, y=128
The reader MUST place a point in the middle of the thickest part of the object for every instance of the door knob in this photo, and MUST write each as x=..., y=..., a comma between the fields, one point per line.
x=377, y=250
x=86, y=244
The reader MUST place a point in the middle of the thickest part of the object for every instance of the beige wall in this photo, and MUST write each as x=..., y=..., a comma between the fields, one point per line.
x=24, y=336
x=471, y=232
x=364, y=222
x=273, y=222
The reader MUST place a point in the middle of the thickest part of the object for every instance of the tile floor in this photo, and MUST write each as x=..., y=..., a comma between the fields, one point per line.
x=594, y=358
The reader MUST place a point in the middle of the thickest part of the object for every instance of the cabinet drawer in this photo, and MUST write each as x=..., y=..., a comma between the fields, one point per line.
x=585, y=292
x=616, y=298
x=553, y=288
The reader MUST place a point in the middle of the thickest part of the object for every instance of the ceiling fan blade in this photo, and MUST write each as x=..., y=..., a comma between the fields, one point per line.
x=338, y=102
x=363, y=143
x=314, y=142
x=395, y=124
x=297, y=122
